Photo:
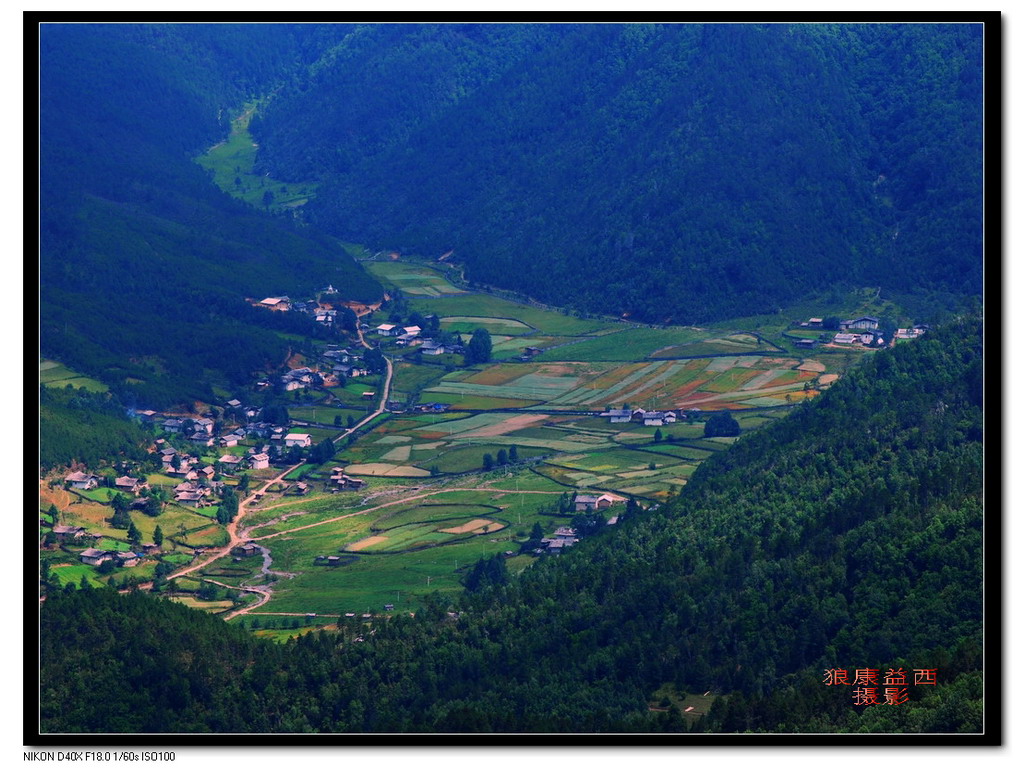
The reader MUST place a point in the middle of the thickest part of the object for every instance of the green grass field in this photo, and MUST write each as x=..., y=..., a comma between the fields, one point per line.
x=431, y=513
x=232, y=161
x=72, y=574
x=410, y=378
x=367, y=580
x=54, y=374
x=484, y=305
x=412, y=278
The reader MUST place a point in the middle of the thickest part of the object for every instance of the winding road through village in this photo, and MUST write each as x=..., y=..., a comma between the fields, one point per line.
x=234, y=528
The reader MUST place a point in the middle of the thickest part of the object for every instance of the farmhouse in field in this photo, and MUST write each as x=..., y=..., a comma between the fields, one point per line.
x=586, y=503
x=191, y=499
x=126, y=559
x=846, y=338
x=299, y=378
x=618, y=415
x=343, y=482
x=387, y=329
x=246, y=550
x=230, y=462
x=130, y=485
x=259, y=461
x=65, y=533
x=277, y=303
x=563, y=537
x=82, y=480
x=299, y=439
x=658, y=418
x=909, y=333
x=860, y=323
x=93, y=556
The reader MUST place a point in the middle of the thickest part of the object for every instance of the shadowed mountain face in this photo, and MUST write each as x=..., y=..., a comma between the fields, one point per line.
x=144, y=263
x=686, y=171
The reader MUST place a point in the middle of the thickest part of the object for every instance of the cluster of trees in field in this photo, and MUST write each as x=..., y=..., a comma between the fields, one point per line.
x=847, y=535
x=685, y=171
x=145, y=264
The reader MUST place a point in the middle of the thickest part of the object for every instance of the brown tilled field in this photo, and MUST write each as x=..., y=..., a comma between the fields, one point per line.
x=364, y=543
x=58, y=496
x=504, y=427
x=481, y=525
x=496, y=375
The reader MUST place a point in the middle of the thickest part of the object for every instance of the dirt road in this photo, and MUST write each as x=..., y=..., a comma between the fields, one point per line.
x=234, y=528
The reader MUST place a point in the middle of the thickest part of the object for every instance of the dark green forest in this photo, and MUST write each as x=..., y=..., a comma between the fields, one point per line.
x=144, y=263
x=847, y=535
x=690, y=172
x=87, y=428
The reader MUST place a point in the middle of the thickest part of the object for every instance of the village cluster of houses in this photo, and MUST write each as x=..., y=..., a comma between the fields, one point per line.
x=325, y=315
x=94, y=556
x=339, y=481
x=73, y=534
x=344, y=363
x=860, y=330
x=647, y=418
x=84, y=481
x=410, y=336
x=564, y=536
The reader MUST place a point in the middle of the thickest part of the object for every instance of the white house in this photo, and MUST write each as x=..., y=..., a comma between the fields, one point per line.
x=278, y=303
x=259, y=461
x=82, y=481
x=297, y=439
x=618, y=415
x=584, y=502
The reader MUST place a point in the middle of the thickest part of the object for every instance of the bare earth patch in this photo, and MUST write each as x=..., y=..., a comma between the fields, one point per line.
x=471, y=526
x=504, y=427
x=381, y=469
x=828, y=378
x=58, y=496
x=364, y=543
x=811, y=365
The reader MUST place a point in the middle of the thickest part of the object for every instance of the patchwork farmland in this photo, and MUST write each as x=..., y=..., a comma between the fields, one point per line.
x=466, y=460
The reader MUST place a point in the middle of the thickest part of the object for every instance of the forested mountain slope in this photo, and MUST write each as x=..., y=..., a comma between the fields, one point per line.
x=144, y=263
x=847, y=535
x=681, y=171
